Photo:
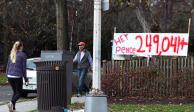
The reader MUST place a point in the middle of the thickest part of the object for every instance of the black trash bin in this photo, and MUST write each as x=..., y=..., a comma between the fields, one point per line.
x=51, y=89
x=62, y=56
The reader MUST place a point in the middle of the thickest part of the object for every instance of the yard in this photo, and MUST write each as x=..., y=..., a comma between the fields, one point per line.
x=151, y=108
x=3, y=79
x=145, y=107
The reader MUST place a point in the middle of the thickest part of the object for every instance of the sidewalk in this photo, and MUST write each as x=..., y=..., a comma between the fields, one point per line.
x=25, y=106
x=75, y=99
x=28, y=106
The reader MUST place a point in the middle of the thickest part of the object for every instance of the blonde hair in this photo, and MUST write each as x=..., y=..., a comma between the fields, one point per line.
x=16, y=47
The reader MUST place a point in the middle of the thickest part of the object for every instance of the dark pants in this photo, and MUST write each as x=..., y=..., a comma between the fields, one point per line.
x=82, y=72
x=16, y=84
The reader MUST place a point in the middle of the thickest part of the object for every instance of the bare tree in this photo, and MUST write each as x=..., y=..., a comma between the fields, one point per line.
x=142, y=20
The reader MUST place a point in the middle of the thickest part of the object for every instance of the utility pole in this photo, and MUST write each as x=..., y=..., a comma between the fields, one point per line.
x=97, y=45
x=96, y=101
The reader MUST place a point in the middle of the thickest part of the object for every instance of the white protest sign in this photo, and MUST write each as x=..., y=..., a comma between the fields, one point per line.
x=147, y=44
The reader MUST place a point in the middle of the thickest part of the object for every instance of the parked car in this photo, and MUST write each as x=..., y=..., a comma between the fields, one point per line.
x=31, y=74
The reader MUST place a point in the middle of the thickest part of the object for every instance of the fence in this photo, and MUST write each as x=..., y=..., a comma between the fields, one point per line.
x=164, y=77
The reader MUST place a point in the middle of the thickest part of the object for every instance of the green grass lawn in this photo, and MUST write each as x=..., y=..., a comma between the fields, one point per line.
x=3, y=79
x=142, y=108
x=151, y=108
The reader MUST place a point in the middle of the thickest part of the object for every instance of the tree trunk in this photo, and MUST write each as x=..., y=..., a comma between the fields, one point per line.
x=142, y=20
x=5, y=49
x=62, y=24
x=5, y=40
x=168, y=13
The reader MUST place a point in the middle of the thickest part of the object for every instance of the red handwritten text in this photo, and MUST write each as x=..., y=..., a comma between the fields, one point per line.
x=121, y=39
x=125, y=50
x=175, y=42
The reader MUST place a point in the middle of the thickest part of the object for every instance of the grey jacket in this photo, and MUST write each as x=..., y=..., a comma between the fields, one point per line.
x=85, y=62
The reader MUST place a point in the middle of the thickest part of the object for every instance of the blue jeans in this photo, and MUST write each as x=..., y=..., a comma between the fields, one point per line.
x=82, y=73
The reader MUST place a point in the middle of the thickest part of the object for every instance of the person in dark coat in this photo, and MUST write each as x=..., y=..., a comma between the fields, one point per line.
x=16, y=71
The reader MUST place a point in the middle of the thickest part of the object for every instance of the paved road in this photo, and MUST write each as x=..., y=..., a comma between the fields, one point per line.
x=6, y=94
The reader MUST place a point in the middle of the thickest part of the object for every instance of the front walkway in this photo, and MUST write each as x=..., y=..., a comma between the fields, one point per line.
x=31, y=105
x=25, y=106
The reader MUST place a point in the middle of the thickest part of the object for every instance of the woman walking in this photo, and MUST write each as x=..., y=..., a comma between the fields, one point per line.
x=16, y=70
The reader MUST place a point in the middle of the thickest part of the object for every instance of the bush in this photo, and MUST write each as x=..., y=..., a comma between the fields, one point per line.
x=149, y=82
x=3, y=79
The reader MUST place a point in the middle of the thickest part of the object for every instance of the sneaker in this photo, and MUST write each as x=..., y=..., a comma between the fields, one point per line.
x=10, y=106
x=78, y=95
